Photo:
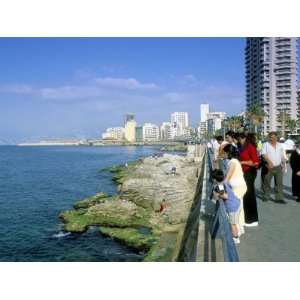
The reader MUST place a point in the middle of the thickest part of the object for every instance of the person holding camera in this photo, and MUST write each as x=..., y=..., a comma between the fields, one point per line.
x=235, y=178
x=223, y=191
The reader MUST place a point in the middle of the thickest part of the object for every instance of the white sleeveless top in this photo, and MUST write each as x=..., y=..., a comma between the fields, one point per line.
x=237, y=178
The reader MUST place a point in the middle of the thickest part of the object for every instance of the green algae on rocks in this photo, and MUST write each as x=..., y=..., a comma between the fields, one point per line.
x=112, y=212
x=90, y=201
x=142, y=186
x=132, y=237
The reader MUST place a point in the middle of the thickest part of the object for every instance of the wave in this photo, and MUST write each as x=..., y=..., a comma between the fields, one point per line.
x=61, y=234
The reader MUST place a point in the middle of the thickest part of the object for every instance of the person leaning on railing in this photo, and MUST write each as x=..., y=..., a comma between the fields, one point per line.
x=250, y=161
x=235, y=178
x=223, y=191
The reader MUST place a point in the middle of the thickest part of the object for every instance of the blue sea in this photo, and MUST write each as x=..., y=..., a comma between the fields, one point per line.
x=37, y=183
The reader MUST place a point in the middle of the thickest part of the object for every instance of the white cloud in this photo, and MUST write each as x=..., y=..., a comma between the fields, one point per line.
x=174, y=97
x=20, y=89
x=125, y=83
x=70, y=92
x=91, y=88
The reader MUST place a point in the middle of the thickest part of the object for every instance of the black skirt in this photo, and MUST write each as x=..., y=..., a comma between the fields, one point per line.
x=295, y=165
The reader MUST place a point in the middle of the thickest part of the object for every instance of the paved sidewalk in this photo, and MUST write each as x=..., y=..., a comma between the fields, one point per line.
x=277, y=238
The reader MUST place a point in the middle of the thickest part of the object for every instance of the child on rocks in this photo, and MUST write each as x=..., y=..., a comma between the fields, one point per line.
x=223, y=191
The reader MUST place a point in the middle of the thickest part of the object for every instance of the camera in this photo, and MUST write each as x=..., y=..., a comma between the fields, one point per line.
x=220, y=189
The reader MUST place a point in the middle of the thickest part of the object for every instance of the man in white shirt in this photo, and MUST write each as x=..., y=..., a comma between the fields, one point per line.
x=220, y=143
x=274, y=156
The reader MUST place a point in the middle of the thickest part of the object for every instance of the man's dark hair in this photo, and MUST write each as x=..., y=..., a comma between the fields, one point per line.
x=236, y=135
x=231, y=151
x=272, y=133
x=219, y=138
x=218, y=175
x=230, y=133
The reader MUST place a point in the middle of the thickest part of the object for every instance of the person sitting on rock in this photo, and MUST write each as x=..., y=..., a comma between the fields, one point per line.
x=173, y=170
x=163, y=206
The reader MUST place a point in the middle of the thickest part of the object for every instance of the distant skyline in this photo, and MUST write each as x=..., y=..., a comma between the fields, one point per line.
x=77, y=87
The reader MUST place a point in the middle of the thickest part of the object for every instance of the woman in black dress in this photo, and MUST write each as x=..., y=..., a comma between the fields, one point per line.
x=295, y=165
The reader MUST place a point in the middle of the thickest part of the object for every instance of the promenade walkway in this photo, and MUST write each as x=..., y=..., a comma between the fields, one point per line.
x=277, y=238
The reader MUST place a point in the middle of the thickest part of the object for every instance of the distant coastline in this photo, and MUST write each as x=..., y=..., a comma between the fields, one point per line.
x=97, y=143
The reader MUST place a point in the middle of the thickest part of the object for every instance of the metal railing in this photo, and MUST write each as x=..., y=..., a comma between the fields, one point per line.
x=188, y=248
x=219, y=228
x=220, y=225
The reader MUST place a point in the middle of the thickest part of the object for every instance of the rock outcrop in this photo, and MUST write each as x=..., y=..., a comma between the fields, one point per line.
x=132, y=216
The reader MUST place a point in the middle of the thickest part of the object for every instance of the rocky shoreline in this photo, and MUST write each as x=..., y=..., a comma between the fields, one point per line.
x=132, y=216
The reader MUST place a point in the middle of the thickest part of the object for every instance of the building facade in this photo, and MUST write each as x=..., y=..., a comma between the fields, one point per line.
x=271, y=78
x=130, y=131
x=298, y=100
x=139, y=134
x=214, y=122
x=150, y=132
x=179, y=121
x=129, y=117
x=114, y=133
x=204, y=110
x=202, y=129
x=165, y=131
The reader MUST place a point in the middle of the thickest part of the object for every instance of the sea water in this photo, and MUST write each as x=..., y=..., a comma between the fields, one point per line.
x=37, y=183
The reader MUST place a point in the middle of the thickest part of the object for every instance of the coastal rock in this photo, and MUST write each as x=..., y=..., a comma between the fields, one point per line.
x=90, y=201
x=130, y=236
x=142, y=186
x=113, y=212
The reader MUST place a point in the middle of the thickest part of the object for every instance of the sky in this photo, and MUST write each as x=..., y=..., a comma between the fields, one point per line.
x=77, y=87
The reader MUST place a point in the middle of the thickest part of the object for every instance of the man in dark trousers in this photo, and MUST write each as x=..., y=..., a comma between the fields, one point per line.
x=274, y=155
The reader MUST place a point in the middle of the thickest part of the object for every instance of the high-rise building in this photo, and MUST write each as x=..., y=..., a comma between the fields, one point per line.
x=139, y=134
x=165, y=131
x=271, y=78
x=298, y=100
x=130, y=130
x=202, y=129
x=129, y=117
x=150, y=132
x=204, y=110
x=179, y=121
x=214, y=121
x=114, y=133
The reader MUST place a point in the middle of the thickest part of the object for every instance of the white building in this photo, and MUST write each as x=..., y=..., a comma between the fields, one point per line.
x=114, y=133
x=271, y=78
x=165, y=131
x=214, y=121
x=150, y=132
x=179, y=121
x=202, y=129
x=130, y=130
x=204, y=110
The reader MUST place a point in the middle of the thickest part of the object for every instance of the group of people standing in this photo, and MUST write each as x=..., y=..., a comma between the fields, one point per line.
x=240, y=157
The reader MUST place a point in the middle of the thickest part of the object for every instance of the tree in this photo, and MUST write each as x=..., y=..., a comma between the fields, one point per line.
x=291, y=125
x=283, y=118
x=235, y=122
x=255, y=115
